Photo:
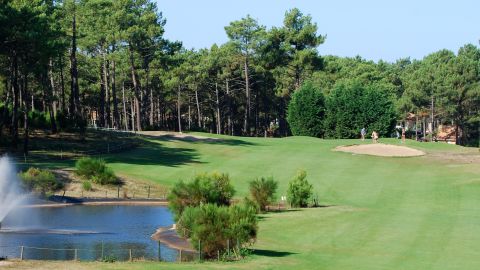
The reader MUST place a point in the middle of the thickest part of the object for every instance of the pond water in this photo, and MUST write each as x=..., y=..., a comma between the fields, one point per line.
x=57, y=233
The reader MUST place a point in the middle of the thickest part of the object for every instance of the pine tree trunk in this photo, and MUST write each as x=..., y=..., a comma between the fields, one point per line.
x=132, y=113
x=102, y=98
x=125, y=118
x=53, y=88
x=107, y=91
x=62, y=85
x=50, y=99
x=4, y=119
x=432, y=119
x=15, y=92
x=116, y=114
x=199, y=116
x=136, y=86
x=416, y=126
x=217, y=105
x=74, y=96
x=25, y=115
x=189, y=115
x=247, y=93
x=158, y=111
x=179, y=116
x=229, y=120
x=150, y=92
x=4, y=115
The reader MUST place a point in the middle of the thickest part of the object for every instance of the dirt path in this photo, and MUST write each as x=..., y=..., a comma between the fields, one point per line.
x=380, y=149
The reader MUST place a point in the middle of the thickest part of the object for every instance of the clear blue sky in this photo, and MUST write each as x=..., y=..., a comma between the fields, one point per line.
x=373, y=29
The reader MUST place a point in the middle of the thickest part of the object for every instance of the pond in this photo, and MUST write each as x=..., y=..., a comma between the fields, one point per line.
x=85, y=233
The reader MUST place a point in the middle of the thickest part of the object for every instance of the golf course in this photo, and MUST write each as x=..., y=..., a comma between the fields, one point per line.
x=376, y=212
x=283, y=135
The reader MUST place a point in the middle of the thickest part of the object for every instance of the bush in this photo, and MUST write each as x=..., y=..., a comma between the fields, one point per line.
x=214, y=188
x=215, y=227
x=39, y=119
x=306, y=112
x=263, y=191
x=351, y=107
x=40, y=180
x=299, y=190
x=87, y=185
x=95, y=170
x=88, y=167
x=109, y=259
x=106, y=177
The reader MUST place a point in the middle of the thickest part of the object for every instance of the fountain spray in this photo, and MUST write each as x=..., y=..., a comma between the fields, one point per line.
x=10, y=192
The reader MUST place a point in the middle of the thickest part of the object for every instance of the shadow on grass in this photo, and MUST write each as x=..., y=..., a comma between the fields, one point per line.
x=147, y=152
x=324, y=206
x=282, y=210
x=194, y=139
x=152, y=153
x=272, y=253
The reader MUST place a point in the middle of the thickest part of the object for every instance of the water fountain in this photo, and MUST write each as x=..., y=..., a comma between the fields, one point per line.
x=55, y=230
x=10, y=192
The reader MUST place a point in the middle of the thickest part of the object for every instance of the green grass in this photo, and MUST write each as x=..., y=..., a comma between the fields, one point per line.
x=380, y=213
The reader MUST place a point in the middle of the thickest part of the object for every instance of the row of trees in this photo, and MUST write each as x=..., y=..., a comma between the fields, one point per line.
x=348, y=108
x=442, y=88
x=106, y=63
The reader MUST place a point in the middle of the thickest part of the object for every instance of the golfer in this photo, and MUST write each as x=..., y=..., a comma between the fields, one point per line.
x=374, y=136
x=363, y=132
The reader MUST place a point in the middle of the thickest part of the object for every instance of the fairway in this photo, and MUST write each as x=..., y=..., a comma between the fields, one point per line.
x=378, y=213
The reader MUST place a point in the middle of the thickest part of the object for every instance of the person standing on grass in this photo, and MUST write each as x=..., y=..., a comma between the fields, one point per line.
x=374, y=136
x=363, y=132
x=403, y=135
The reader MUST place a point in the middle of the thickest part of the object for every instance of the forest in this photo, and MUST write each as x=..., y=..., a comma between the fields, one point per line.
x=73, y=64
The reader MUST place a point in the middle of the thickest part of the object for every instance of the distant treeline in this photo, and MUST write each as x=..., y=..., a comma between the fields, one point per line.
x=106, y=63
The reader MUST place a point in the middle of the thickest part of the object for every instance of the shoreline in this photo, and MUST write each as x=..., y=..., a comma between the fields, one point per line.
x=97, y=202
x=169, y=237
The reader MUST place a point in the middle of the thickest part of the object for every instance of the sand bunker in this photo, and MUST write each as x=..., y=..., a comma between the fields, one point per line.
x=5, y=263
x=380, y=149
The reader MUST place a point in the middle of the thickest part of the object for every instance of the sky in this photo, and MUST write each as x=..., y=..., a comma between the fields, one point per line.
x=373, y=29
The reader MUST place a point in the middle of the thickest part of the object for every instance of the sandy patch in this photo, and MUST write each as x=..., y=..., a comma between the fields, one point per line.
x=170, y=237
x=130, y=189
x=5, y=263
x=380, y=149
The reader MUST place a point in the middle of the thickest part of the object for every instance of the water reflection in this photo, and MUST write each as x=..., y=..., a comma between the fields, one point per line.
x=111, y=231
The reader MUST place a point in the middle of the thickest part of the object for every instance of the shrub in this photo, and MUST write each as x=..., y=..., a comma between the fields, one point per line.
x=87, y=185
x=299, y=190
x=306, y=112
x=215, y=227
x=214, y=188
x=106, y=177
x=351, y=107
x=40, y=180
x=95, y=170
x=88, y=167
x=39, y=119
x=109, y=259
x=263, y=191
